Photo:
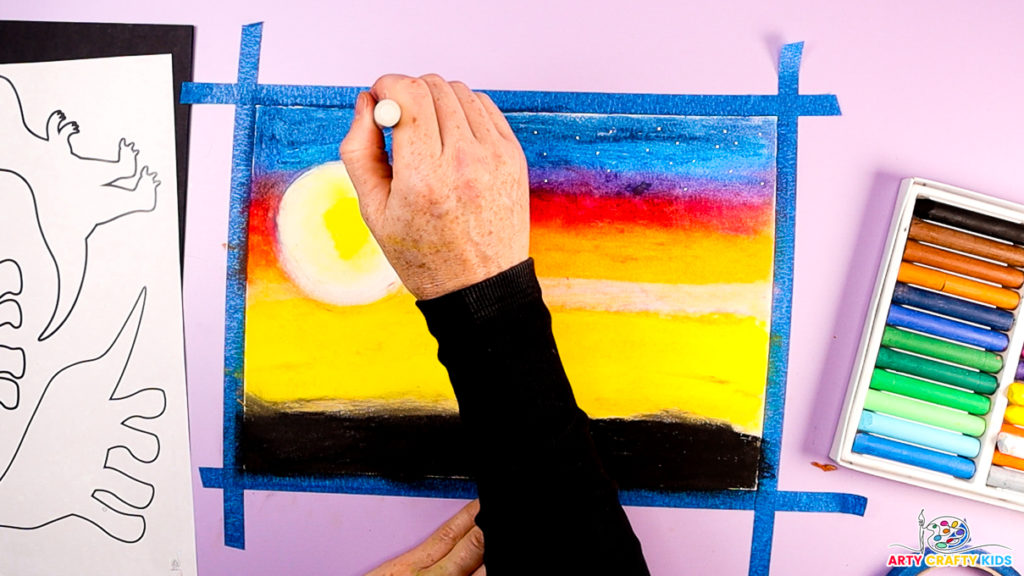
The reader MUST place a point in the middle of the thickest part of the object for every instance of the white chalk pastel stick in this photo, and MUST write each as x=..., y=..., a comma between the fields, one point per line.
x=387, y=113
x=1010, y=444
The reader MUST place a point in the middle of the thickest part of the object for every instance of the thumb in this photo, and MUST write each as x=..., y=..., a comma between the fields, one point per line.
x=362, y=152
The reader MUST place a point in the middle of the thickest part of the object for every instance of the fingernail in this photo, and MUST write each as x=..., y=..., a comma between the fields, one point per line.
x=361, y=103
x=357, y=109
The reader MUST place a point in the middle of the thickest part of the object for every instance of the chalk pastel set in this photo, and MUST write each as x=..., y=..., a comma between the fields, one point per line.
x=932, y=399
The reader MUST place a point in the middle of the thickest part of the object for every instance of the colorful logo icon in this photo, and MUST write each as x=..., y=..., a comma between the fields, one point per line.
x=946, y=541
x=946, y=534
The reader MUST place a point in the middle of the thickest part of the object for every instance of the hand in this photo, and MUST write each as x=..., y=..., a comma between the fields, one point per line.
x=454, y=208
x=455, y=549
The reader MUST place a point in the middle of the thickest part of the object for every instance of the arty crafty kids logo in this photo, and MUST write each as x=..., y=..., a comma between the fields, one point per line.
x=946, y=541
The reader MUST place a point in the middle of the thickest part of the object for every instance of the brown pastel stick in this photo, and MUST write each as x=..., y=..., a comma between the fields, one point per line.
x=957, y=286
x=973, y=267
x=948, y=238
x=969, y=220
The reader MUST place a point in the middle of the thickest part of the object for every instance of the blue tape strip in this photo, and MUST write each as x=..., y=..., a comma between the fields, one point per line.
x=201, y=93
x=553, y=102
x=834, y=502
x=455, y=488
x=787, y=105
x=782, y=303
x=234, y=329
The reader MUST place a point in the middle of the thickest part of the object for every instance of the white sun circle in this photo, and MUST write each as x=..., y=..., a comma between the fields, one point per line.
x=323, y=244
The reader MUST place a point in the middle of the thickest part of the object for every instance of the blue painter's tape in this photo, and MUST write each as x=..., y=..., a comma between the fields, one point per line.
x=821, y=502
x=234, y=337
x=789, y=68
x=211, y=477
x=249, y=54
x=554, y=102
x=724, y=500
x=201, y=93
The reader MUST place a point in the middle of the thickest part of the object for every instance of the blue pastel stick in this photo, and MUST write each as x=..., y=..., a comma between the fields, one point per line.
x=915, y=433
x=913, y=455
x=948, y=329
x=948, y=306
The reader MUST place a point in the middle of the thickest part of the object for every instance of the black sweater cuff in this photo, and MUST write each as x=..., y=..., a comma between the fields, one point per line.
x=476, y=304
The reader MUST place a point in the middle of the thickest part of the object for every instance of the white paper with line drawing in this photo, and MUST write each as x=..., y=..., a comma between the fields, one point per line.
x=94, y=464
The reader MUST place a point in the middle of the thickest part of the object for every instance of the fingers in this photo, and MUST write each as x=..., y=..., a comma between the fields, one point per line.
x=362, y=152
x=128, y=528
x=477, y=115
x=497, y=117
x=464, y=559
x=444, y=539
x=418, y=131
x=451, y=119
x=115, y=487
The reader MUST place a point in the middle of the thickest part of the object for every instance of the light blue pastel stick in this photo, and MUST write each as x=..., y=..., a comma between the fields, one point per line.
x=946, y=328
x=920, y=434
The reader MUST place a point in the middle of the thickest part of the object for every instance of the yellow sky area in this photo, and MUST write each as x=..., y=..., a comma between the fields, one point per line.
x=625, y=364
x=620, y=364
x=634, y=253
x=299, y=349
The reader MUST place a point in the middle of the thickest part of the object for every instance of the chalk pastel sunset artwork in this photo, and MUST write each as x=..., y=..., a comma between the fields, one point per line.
x=653, y=239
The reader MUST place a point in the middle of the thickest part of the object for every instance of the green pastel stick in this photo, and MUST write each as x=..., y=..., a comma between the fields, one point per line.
x=937, y=371
x=930, y=392
x=942, y=350
x=931, y=414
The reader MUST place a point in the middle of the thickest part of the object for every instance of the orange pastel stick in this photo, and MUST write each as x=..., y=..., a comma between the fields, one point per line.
x=1000, y=459
x=957, y=286
x=964, y=242
x=1011, y=429
x=946, y=260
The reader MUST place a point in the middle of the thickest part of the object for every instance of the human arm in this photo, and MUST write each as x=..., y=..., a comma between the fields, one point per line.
x=452, y=215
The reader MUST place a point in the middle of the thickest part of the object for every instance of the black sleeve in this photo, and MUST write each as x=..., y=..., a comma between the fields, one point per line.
x=546, y=504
